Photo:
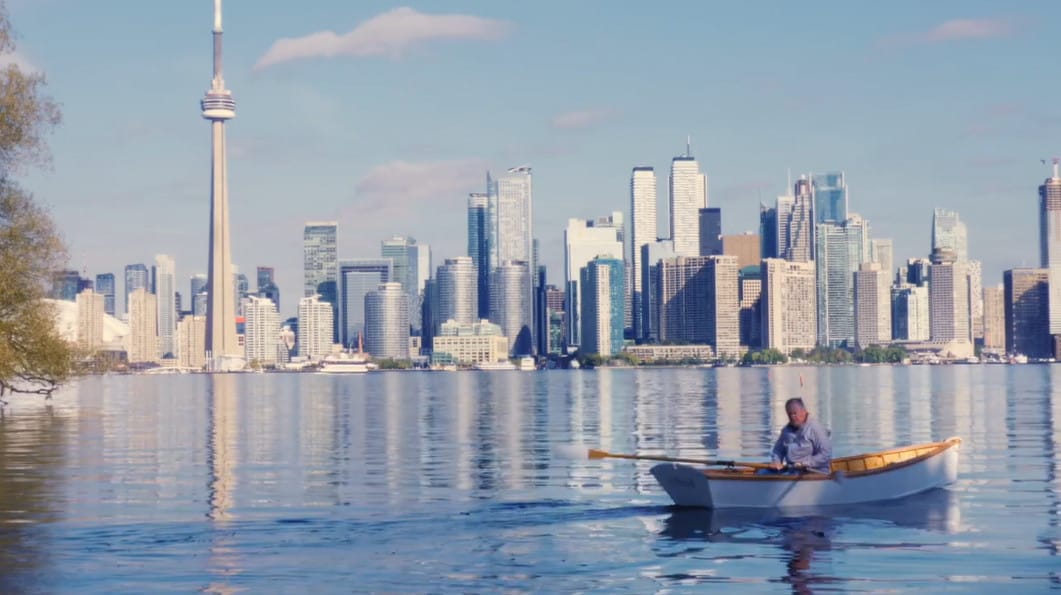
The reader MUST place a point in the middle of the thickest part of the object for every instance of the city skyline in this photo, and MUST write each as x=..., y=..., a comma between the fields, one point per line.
x=311, y=144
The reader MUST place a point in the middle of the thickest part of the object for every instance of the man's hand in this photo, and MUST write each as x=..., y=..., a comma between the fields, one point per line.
x=800, y=466
x=777, y=465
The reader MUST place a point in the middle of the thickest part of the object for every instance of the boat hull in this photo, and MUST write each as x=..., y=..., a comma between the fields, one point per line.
x=914, y=469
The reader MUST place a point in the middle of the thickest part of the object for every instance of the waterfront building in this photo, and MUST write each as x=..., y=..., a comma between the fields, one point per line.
x=165, y=293
x=1050, y=242
x=470, y=343
x=358, y=277
x=458, y=293
x=749, y=293
x=479, y=247
x=910, y=313
x=191, y=342
x=314, y=327
x=90, y=311
x=873, y=306
x=882, y=252
x=948, y=295
x=950, y=233
x=789, y=296
x=143, y=333
x=602, y=305
x=511, y=305
x=994, y=319
x=699, y=302
x=651, y=256
x=261, y=331
x=1027, y=310
x=387, y=322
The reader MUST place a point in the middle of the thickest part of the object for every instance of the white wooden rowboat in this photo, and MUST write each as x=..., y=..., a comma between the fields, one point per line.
x=883, y=475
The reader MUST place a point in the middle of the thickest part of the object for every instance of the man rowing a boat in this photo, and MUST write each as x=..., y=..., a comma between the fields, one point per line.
x=803, y=444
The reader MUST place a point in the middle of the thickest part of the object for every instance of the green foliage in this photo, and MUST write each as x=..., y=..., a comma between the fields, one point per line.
x=764, y=356
x=394, y=364
x=33, y=356
x=874, y=354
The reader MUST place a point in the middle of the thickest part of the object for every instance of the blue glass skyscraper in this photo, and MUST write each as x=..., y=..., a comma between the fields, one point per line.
x=830, y=197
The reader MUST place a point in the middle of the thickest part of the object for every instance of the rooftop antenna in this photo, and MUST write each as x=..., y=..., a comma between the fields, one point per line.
x=1056, y=160
x=688, y=145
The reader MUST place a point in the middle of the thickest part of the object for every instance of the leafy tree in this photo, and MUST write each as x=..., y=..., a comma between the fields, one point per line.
x=33, y=356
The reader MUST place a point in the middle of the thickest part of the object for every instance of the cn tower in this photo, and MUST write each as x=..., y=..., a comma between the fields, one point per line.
x=222, y=349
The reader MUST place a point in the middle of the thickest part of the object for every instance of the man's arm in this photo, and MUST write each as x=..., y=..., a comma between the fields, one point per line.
x=822, y=452
x=777, y=455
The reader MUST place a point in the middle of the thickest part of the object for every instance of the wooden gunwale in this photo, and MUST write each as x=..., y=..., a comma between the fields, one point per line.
x=936, y=448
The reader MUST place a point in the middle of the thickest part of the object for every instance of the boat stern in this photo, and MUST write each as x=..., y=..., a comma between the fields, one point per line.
x=686, y=485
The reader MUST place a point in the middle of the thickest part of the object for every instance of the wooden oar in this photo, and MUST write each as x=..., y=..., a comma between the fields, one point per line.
x=603, y=454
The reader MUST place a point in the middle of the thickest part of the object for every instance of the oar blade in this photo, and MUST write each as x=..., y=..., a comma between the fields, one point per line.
x=598, y=454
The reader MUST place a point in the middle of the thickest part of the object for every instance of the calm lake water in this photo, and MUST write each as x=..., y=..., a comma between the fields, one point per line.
x=479, y=482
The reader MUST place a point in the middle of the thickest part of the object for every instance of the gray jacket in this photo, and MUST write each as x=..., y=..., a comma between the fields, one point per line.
x=809, y=445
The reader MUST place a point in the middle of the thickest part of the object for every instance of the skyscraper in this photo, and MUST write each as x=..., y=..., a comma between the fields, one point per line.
x=357, y=277
x=511, y=305
x=795, y=224
x=840, y=249
x=1050, y=242
x=710, y=231
x=105, y=287
x=948, y=295
x=1026, y=309
x=319, y=250
x=688, y=194
x=949, y=233
x=873, y=306
x=314, y=327
x=89, y=319
x=994, y=319
x=458, y=291
x=788, y=299
x=262, y=334
x=642, y=231
x=585, y=240
x=136, y=277
x=830, y=197
x=143, y=333
x=479, y=247
x=512, y=240
x=223, y=350
x=387, y=322
x=602, y=306
x=267, y=287
x=166, y=287
x=699, y=302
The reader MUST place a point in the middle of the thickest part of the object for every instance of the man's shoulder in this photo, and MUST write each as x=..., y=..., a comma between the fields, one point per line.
x=816, y=426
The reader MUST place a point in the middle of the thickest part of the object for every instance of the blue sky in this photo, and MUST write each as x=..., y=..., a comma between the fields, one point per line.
x=387, y=124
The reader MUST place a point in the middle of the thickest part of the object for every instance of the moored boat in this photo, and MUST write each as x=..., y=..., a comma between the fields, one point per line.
x=345, y=363
x=869, y=477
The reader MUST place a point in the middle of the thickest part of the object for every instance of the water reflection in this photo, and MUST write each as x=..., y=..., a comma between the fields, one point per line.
x=222, y=459
x=807, y=537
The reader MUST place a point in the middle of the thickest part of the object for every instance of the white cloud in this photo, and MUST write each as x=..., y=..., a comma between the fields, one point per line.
x=579, y=119
x=968, y=29
x=958, y=30
x=404, y=186
x=19, y=60
x=388, y=34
